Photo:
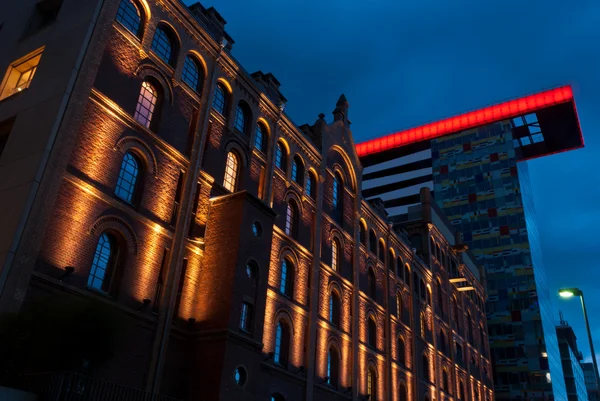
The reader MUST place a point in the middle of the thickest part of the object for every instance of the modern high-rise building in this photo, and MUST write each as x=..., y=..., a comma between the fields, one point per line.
x=571, y=358
x=171, y=234
x=476, y=166
x=591, y=381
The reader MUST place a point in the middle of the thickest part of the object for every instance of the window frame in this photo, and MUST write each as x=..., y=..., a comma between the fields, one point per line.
x=133, y=180
x=140, y=14
x=232, y=171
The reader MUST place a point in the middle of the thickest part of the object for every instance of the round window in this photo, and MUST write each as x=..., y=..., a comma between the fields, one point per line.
x=239, y=375
x=256, y=229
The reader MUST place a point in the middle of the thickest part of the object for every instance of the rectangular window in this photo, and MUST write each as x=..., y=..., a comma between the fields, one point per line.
x=20, y=74
x=44, y=14
x=246, y=317
x=5, y=129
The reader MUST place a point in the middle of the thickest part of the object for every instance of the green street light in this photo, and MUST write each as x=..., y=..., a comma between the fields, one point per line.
x=576, y=292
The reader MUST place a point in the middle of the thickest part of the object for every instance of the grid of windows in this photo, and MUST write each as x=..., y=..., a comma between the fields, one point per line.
x=259, y=138
x=219, y=99
x=128, y=176
x=241, y=117
x=231, y=172
x=334, y=254
x=146, y=104
x=99, y=277
x=191, y=73
x=161, y=45
x=129, y=16
x=279, y=159
x=246, y=317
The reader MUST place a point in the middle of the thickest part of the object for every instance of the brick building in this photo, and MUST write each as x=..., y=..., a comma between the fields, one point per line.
x=143, y=167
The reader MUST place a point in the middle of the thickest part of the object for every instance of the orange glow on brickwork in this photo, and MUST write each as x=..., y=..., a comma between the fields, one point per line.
x=466, y=121
x=190, y=297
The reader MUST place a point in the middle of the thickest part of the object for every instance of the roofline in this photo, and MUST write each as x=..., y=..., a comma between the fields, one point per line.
x=465, y=121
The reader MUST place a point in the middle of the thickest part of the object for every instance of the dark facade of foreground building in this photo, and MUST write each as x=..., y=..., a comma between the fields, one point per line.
x=475, y=165
x=571, y=359
x=142, y=167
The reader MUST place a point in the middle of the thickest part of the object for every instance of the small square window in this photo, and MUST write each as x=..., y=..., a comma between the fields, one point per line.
x=518, y=121
x=20, y=74
x=525, y=141
x=537, y=138
x=531, y=118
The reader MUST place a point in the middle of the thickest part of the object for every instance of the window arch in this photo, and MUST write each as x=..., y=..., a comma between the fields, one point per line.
x=425, y=363
x=164, y=44
x=372, y=283
x=461, y=390
x=423, y=324
x=445, y=382
x=243, y=116
x=481, y=340
x=333, y=366
x=282, y=343
x=399, y=271
x=372, y=332
x=193, y=73
x=403, y=392
x=407, y=274
x=298, y=170
x=381, y=251
x=311, y=182
x=373, y=241
x=431, y=246
x=130, y=16
x=334, y=309
x=391, y=260
x=455, y=312
x=338, y=192
x=147, y=104
x=291, y=219
x=438, y=253
x=105, y=264
x=440, y=296
x=401, y=351
x=362, y=227
x=232, y=167
x=470, y=327
x=220, y=99
x=422, y=289
x=372, y=383
x=261, y=137
x=286, y=284
x=128, y=183
x=399, y=310
x=335, y=254
x=443, y=347
x=280, y=156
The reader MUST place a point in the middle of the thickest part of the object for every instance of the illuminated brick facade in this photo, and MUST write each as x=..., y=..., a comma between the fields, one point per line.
x=219, y=281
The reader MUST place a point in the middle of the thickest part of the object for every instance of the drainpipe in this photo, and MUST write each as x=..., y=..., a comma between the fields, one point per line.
x=166, y=315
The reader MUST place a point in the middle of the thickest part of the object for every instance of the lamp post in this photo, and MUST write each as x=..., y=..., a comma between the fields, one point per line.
x=571, y=292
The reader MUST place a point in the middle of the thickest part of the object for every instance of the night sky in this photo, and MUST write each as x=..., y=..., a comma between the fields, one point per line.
x=404, y=63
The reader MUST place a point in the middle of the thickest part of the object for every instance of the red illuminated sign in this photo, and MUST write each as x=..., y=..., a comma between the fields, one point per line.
x=502, y=111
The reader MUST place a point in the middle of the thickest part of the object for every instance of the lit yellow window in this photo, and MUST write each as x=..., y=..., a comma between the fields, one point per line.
x=231, y=171
x=20, y=74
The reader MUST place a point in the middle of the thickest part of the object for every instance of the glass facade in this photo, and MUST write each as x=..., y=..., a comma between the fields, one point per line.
x=485, y=193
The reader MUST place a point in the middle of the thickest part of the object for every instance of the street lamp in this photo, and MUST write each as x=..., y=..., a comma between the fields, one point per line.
x=576, y=292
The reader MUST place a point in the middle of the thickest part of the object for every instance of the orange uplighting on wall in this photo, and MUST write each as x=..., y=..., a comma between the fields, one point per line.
x=468, y=120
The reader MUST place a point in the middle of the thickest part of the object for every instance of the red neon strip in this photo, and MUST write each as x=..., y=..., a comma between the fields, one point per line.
x=468, y=120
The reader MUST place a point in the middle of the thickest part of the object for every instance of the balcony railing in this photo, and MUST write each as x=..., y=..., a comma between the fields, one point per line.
x=67, y=386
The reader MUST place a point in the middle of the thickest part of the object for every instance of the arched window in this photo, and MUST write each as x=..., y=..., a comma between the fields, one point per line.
x=391, y=261
x=362, y=227
x=422, y=324
x=260, y=138
x=438, y=253
x=291, y=219
x=372, y=384
x=220, y=99
x=130, y=17
x=286, y=285
x=399, y=271
x=416, y=283
x=442, y=341
x=191, y=74
x=481, y=340
x=311, y=182
x=333, y=367
x=470, y=327
x=163, y=45
x=280, y=154
x=129, y=177
x=431, y=246
x=334, y=309
x=399, y=309
x=403, y=393
x=475, y=394
x=461, y=391
x=407, y=274
x=425, y=362
x=282, y=344
x=401, y=351
x=298, y=170
x=372, y=284
x=456, y=315
x=335, y=254
x=338, y=192
x=440, y=297
x=242, y=117
x=372, y=333
x=372, y=242
x=445, y=381
x=277, y=397
x=146, y=105
x=381, y=253
x=459, y=352
x=105, y=263
x=231, y=172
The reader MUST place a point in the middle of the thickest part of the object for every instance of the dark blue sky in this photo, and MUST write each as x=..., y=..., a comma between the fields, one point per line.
x=404, y=63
